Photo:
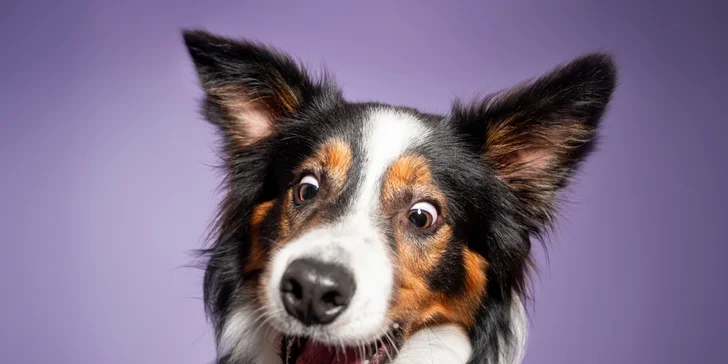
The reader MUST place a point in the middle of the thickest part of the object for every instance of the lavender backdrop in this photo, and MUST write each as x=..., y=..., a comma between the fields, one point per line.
x=105, y=184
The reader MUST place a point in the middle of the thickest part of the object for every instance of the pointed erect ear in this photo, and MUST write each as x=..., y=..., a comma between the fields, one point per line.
x=535, y=135
x=249, y=88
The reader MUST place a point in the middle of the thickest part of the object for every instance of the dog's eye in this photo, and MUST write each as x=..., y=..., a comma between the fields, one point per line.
x=422, y=215
x=307, y=188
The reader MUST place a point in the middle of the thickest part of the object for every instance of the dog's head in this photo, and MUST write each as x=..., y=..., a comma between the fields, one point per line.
x=353, y=231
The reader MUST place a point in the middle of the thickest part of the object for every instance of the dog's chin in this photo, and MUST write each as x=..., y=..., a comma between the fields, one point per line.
x=305, y=350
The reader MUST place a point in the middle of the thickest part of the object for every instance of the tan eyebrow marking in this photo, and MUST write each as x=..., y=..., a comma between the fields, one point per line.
x=334, y=158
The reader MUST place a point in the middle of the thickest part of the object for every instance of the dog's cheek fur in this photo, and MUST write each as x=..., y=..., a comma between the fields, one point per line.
x=479, y=277
x=420, y=305
x=439, y=279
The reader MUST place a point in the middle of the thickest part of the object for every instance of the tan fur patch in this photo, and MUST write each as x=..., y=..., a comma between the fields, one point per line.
x=409, y=169
x=419, y=306
x=409, y=175
x=256, y=257
x=333, y=159
x=409, y=180
x=287, y=99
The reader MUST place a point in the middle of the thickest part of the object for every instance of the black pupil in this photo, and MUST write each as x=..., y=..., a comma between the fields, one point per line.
x=419, y=218
x=308, y=191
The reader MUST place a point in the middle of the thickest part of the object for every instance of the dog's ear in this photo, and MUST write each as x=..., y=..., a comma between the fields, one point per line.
x=535, y=134
x=249, y=88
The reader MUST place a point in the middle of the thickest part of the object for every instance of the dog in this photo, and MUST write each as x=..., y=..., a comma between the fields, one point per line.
x=371, y=233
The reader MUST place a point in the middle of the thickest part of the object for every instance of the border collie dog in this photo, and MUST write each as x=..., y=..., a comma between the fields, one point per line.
x=371, y=233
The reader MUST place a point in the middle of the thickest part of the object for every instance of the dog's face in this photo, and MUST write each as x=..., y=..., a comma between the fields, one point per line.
x=361, y=232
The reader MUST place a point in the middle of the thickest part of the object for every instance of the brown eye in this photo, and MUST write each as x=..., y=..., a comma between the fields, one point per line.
x=422, y=215
x=307, y=188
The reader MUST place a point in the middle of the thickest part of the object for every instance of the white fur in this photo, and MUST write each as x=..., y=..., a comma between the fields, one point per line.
x=355, y=242
x=388, y=134
x=446, y=344
x=519, y=326
x=367, y=260
x=246, y=336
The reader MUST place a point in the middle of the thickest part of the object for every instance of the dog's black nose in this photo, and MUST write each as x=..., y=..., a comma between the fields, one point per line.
x=315, y=292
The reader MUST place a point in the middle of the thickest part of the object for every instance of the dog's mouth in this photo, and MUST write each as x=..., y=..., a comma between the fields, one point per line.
x=302, y=350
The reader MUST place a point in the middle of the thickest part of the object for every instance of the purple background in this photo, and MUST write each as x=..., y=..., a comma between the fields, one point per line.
x=105, y=185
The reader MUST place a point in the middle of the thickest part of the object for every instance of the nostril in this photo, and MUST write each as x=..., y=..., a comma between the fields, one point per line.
x=332, y=298
x=331, y=304
x=292, y=287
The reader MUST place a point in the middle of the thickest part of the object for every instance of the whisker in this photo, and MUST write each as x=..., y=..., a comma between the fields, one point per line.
x=391, y=341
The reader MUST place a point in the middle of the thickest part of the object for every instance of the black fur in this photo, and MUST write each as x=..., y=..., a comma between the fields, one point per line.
x=490, y=215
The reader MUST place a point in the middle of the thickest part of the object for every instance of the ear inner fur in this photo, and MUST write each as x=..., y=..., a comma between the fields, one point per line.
x=532, y=150
x=250, y=88
x=536, y=134
x=251, y=118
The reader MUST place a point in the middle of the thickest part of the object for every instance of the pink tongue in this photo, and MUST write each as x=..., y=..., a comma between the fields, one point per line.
x=315, y=353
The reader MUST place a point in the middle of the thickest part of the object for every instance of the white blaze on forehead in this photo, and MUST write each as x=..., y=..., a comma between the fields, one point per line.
x=387, y=135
